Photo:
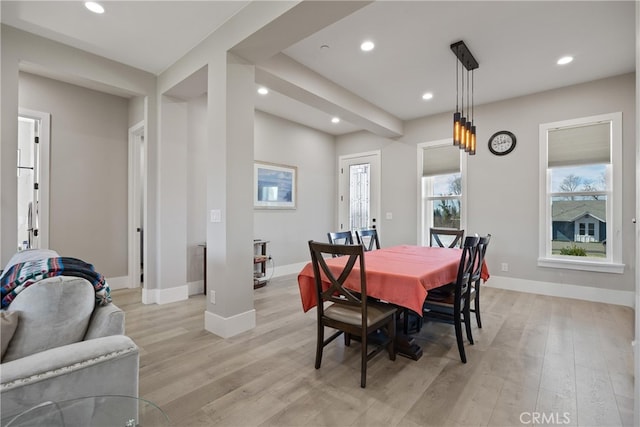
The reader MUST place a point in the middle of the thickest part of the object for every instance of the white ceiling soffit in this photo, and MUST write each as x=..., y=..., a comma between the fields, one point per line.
x=149, y=35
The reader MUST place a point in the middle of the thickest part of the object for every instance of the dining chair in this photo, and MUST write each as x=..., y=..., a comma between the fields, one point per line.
x=476, y=277
x=340, y=238
x=347, y=311
x=446, y=237
x=453, y=307
x=368, y=238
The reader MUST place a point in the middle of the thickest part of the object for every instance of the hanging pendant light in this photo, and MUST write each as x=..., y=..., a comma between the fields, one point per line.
x=456, y=116
x=464, y=129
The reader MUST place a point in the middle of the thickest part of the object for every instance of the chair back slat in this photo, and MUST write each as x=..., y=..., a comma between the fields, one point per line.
x=368, y=239
x=482, y=250
x=436, y=234
x=340, y=238
x=337, y=292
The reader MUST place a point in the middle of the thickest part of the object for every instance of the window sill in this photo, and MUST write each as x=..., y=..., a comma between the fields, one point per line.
x=575, y=264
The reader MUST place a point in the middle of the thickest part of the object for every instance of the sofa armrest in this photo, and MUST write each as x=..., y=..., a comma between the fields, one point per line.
x=102, y=366
x=105, y=321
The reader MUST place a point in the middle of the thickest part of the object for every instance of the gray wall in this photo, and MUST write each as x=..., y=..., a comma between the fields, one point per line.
x=503, y=191
x=313, y=153
x=88, y=182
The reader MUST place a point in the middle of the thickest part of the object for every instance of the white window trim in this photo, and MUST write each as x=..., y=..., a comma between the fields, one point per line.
x=463, y=198
x=613, y=264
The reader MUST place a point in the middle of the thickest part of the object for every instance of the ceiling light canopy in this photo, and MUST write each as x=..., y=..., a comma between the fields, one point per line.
x=427, y=96
x=565, y=60
x=367, y=46
x=94, y=7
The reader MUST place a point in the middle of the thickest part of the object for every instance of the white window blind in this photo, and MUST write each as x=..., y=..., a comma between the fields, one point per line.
x=441, y=160
x=580, y=145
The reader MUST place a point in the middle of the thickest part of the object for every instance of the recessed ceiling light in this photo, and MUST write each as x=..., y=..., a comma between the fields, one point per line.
x=565, y=60
x=367, y=46
x=263, y=91
x=427, y=96
x=94, y=7
x=335, y=120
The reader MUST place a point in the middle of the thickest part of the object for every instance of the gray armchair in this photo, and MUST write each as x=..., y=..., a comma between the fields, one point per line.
x=65, y=347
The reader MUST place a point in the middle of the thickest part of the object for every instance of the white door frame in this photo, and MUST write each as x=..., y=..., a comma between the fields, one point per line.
x=44, y=135
x=137, y=207
x=378, y=183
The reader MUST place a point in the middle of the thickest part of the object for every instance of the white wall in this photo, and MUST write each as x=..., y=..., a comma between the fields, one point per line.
x=313, y=153
x=88, y=182
x=503, y=191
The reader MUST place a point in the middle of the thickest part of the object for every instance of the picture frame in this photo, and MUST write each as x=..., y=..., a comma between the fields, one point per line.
x=274, y=186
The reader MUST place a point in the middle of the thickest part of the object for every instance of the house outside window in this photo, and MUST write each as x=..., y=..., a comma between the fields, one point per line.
x=442, y=184
x=580, y=194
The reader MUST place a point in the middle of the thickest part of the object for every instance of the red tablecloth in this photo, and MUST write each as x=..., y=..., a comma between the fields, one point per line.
x=401, y=275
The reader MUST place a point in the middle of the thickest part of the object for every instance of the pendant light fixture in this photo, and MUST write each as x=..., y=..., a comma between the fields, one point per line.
x=464, y=129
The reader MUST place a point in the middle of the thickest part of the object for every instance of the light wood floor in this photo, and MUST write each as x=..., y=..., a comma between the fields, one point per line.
x=568, y=362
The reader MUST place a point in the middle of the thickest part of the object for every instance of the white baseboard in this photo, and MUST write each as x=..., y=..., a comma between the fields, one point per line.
x=121, y=282
x=165, y=296
x=588, y=293
x=285, y=270
x=227, y=327
x=196, y=288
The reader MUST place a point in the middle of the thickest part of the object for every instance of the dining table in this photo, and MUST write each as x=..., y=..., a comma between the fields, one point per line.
x=401, y=275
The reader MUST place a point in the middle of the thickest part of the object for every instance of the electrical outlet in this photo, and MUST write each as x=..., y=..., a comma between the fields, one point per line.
x=212, y=297
x=505, y=266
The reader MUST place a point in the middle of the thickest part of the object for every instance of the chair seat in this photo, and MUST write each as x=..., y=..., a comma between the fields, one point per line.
x=352, y=315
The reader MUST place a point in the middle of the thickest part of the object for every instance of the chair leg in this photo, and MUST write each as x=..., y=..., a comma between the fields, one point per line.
x=347, y=339
x=405, y=320
x=467, y=324
x=363, y=356
x=476, y=306
x=319, y=346
x=391, y=330
x=459, y=338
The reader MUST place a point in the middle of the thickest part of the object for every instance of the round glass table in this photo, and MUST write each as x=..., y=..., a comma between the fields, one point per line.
x=94, y=411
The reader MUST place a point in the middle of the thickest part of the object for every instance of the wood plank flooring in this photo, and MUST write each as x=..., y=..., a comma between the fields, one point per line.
x=538, y=360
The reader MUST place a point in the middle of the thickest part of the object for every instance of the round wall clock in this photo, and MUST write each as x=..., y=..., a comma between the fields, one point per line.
x=502, y=142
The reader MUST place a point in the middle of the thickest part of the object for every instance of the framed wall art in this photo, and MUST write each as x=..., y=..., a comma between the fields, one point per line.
x=274, y=186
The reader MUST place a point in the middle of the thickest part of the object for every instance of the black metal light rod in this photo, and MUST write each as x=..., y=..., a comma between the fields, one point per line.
x=464, y=55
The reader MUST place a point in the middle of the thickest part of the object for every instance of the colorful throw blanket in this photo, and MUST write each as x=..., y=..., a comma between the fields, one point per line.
x=21, y=276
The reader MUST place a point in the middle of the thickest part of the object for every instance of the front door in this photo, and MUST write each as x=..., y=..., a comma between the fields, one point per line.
x=359, y=191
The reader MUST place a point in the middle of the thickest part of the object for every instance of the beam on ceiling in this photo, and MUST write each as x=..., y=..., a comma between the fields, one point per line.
x=288, y=77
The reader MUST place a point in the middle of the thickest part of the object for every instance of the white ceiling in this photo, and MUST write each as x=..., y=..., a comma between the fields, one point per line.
x=516, y=44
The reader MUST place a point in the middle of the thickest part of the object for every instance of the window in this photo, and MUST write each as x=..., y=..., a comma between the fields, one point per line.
x=442, y=184
x=580, y=194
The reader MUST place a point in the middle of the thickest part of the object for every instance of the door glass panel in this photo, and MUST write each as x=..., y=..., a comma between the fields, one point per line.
x=359, y=194
x=26, y=171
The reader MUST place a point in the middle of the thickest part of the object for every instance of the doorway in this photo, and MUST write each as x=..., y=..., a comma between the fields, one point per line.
x=33, y=179
x=137, y=205
x=359, y=191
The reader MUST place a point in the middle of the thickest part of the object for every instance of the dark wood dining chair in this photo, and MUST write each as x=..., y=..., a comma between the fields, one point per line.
x=347, y=311
x=368, y=238
x=340, y=238
x=453, y=307
x=446, y=237
x=476, y=278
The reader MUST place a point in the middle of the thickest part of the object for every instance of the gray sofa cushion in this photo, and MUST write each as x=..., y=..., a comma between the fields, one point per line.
x=53, y=312
x=8, y=326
